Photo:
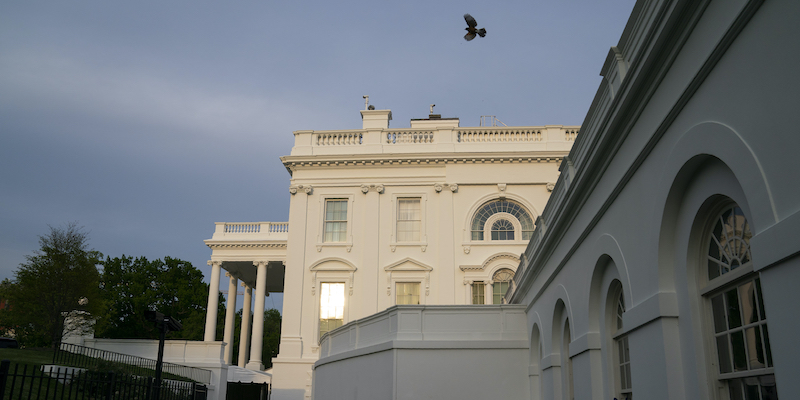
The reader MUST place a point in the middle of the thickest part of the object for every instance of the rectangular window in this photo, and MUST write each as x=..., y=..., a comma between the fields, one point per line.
x=409, y=219
x=478, y=293
x=624, y=358
x=407, y=292
x=335, y=220
x=499, y=290
x=331, y=307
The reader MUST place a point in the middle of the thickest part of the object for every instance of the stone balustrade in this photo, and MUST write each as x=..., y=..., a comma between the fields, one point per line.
x=435, y=139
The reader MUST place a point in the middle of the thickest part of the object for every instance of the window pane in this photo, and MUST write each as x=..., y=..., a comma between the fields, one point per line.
x=738, y=348
x=478, y=293
x=734, y=316
x=331, y=310
x=748, y=296
x=407, y=293
x=498, y=290
x=724, y=354
x=755, y=347
x=766, y=345
x=335, y=221
x=760, y=299
x=718, y=309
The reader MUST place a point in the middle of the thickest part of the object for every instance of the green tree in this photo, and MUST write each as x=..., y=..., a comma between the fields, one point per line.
x=132, y=286
x=59, y=278
x=272, y=336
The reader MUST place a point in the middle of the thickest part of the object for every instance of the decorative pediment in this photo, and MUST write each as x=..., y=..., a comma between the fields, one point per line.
x=499, y=256
x=332, y=264
x=408, y=265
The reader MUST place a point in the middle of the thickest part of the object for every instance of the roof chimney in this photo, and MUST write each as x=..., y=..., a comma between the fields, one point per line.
x=376, y=119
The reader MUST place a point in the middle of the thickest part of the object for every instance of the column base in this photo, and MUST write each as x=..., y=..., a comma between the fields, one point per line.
x=255, y=366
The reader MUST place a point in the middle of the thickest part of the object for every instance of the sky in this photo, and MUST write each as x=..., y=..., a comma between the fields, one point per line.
x=146, y=122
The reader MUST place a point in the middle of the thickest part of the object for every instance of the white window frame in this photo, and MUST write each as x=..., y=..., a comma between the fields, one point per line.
x=331, y=270
x=423, y=237
x=709, y=289
x=402, y=281
x=348, y=243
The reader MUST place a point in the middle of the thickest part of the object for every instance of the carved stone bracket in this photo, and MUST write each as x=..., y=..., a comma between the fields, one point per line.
x=437, y=187
x=453, y=187
x=550, y=186
x=376, y=187
x=466, y=249
x=305, y=188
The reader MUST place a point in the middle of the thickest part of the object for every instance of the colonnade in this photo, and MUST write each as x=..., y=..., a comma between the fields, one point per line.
x=251, y=339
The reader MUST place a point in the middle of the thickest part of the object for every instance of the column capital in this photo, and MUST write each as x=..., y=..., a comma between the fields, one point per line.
x=214, y=263
x=260, y=262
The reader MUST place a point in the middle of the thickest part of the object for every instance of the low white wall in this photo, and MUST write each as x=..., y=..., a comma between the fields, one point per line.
x=441, y=352
x=205, y=355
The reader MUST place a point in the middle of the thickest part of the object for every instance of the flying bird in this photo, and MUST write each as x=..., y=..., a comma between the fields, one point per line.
x=472, y=29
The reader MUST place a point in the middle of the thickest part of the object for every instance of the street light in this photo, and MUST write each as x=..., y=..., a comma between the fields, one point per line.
x=164, y=324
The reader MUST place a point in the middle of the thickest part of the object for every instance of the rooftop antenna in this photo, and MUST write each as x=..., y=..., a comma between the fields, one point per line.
x=366, y=101
x=490, y=120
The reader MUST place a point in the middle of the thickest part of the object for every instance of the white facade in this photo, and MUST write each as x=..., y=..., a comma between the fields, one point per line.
x=665, y=265
x=434, y=214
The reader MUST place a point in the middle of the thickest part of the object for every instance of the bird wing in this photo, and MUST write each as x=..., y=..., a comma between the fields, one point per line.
x=470, y=21
x=469, y=36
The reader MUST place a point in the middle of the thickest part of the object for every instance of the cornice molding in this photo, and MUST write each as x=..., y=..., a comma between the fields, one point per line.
x=215, y=246
x=292, y=162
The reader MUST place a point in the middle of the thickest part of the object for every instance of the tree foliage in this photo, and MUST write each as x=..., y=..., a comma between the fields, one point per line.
x=52, y=283
x=272, y=336
x=132, y=286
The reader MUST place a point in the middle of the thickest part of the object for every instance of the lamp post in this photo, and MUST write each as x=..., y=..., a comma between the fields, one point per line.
x=164, y=324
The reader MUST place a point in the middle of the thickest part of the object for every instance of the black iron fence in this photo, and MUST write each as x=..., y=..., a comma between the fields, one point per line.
x=33, y=382
x=87, y=357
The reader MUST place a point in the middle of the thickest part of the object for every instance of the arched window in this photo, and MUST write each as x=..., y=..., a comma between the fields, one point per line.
x=502, y=229
x=738, y=318
x=500, y=284
x=499, y=218
x=623, y=355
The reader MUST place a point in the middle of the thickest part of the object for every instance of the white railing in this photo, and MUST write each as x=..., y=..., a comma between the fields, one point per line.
x=570, y=134
x=484, y=135
x=242, y=227
x=409, y=137
x=278, y=227
x=339, y=138
x=251, y=228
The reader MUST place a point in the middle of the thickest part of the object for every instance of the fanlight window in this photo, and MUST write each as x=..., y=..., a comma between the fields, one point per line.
x=501, y=229
x=500, y=283
x=729, y=245
x=744, y=357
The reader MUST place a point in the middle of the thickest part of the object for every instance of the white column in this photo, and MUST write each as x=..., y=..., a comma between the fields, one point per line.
x=257, y=342
x=244, y=334
x=230, y=317
x=213, y=302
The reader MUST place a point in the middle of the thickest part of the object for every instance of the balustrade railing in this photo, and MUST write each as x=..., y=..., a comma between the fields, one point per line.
x=477, y=135
x=339, y=138
x=409, y=137
x=256, y=227
x=275, y=227
x=570, y=134
x=242, y=227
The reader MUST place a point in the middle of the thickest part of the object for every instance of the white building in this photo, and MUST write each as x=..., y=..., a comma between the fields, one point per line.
x=665, y=265
x=433, y=214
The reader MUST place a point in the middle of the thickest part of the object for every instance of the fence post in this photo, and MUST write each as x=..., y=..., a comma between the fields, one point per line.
x=110, y=388
x=3, y=375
